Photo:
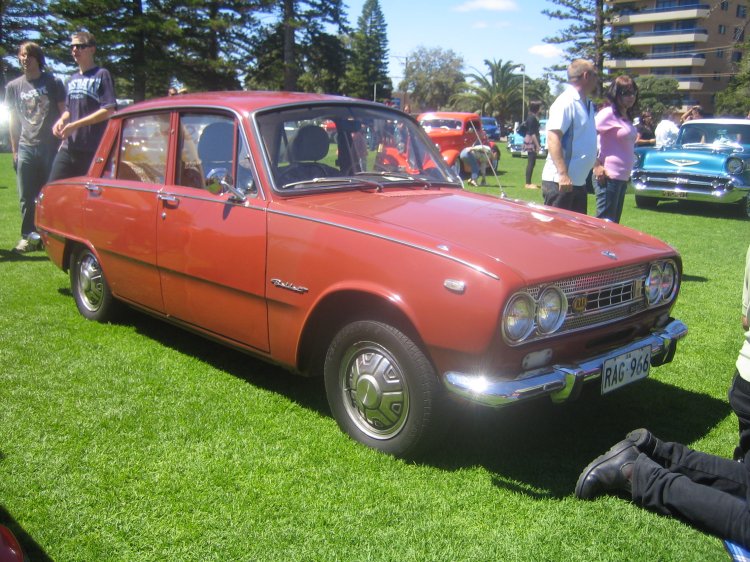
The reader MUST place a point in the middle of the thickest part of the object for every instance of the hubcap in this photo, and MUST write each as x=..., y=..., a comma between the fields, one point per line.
x=374, y=390
x=90, y=283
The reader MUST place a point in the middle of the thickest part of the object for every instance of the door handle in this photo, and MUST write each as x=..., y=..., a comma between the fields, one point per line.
x=169, y=200
x=93, y=189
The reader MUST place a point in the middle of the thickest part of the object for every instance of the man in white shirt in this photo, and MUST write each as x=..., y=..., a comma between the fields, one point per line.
x=667, y=129
x=571, y=140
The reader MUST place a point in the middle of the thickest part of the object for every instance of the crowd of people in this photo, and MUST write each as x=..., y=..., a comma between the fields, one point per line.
x=55, y=128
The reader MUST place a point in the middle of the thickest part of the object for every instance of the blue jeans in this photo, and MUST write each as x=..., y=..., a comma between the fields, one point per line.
x=610, y=198
x=467, y=155
x=34, y=163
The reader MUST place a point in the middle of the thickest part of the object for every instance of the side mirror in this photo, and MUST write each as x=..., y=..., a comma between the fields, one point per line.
x=219, y=181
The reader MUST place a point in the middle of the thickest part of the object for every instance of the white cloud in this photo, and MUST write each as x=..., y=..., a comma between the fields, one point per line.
x=491, y=5
x=485, y=25
x=547, y=51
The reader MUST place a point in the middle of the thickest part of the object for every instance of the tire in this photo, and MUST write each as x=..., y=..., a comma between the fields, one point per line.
x=90, y=288
x=646, y=202
x=744, y=207
x=382, y=389
x=457, y=167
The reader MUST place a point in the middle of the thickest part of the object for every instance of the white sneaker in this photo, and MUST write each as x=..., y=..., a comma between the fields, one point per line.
x=22, y=246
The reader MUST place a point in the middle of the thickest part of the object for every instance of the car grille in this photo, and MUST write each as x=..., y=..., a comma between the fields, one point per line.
x=668, y=181
x=601, y=298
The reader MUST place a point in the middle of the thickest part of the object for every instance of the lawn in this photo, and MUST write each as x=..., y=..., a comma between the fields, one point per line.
x=139, y=441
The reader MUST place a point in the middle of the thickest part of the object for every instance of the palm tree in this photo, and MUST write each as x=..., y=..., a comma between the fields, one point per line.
x=498, y=93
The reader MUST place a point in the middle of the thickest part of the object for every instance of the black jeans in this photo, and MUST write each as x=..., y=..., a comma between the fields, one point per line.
x=739, y=400
x=530, y=163
x=70, y=163
x=574, y=200
x=709, y=492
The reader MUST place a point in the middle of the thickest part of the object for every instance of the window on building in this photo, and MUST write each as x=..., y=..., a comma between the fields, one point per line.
x=741, y=11
x=720, y=54
x=717, y=78
x=722, y=29
x=725, y=5
x=739, y=34
x=736, y=56
x=664, y=26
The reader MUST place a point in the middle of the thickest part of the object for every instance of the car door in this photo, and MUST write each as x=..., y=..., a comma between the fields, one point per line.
x=211, y=245
x=120, y=209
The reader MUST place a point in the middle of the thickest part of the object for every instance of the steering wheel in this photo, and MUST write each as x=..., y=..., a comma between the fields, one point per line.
x=303, y=171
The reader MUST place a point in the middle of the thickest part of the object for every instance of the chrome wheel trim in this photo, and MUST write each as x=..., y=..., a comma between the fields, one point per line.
x=90, y=282
x=374, y=390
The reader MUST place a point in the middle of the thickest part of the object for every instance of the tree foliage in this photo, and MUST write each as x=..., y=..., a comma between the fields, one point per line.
x=432, y=76
x=657, y=94
x=367, y=70
x=19, y=20
x=735, y=98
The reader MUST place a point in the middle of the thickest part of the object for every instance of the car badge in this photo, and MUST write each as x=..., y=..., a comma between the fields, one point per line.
x=579, y=304
x=609, y=254
x=682, y=163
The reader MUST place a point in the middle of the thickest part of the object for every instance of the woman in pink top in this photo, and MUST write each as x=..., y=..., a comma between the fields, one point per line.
x=617, y=135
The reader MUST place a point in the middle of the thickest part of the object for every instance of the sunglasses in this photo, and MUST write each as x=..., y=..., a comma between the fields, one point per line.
x=80, y=46
x=625, y=92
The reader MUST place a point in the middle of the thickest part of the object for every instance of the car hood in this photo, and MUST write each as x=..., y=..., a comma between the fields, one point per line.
x=694, y=159
x=494, y=234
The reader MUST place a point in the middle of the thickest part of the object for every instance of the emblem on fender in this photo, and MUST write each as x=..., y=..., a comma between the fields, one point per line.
x=288, y=286
x=681, y=163
x=609, y=254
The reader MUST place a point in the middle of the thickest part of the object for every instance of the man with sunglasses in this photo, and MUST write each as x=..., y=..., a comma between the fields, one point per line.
x=89, y=102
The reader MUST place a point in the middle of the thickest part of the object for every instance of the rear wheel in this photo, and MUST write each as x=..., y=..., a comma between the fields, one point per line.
x=382, y=389
x=90, y=288
x=646, y=202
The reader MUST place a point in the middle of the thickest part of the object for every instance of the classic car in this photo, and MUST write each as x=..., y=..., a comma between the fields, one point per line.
x=491, y=128
x=515, y=142
x=231, y=215
x=710, y=162
x=454, y=131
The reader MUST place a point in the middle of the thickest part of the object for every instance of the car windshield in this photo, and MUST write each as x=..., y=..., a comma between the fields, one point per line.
x=714, y=134
x=452, y=124
x=339, y=146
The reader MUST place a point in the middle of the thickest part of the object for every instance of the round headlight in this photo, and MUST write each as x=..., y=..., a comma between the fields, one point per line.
x=653, y=284
x=668, y=280
x=735, y=166
x=518, y=320
x=551, y=309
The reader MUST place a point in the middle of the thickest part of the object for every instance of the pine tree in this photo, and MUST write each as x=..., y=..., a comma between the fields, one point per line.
x=367, y=71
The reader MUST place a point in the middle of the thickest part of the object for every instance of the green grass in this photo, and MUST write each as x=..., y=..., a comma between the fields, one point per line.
x=138, y=441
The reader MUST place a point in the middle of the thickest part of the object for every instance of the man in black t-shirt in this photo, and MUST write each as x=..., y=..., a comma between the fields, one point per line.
x=35, y=101
x=89, y=103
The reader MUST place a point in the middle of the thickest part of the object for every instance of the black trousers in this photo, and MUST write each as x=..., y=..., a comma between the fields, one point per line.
x=70, y=163
x=709, y=492
x=739, y=400
x=530, y=163
x=574, y=200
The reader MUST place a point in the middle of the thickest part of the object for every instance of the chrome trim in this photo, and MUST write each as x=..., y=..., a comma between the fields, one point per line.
x=557, y=380
x=389, y=239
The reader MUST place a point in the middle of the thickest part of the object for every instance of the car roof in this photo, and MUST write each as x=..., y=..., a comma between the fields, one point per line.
x=448, y=115
x=241, y=101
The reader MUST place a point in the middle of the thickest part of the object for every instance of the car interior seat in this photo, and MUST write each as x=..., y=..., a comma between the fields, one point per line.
x=215, y=146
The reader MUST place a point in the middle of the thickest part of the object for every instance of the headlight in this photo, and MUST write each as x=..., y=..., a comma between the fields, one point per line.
x=735, y=166
x=518, y=320
x=653, y=284
x=551, y=309
x=668, y=281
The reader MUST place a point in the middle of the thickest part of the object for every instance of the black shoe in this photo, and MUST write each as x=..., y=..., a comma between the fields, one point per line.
x=643, y=440
x=608, y=473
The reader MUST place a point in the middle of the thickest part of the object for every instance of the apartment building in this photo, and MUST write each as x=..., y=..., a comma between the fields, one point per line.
x=698, y=44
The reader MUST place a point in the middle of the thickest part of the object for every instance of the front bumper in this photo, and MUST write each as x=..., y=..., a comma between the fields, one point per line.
x=647, y=186
x=561, y=382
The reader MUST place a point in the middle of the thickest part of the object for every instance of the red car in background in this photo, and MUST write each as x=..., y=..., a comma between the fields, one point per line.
x=452, y=131
x=232, y=215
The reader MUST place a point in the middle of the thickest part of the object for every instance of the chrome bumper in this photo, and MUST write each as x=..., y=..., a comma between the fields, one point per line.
x=718, y=195
x=561, y=382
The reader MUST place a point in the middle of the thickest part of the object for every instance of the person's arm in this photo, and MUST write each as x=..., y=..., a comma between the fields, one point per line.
x=97, y=116
x=555, y=148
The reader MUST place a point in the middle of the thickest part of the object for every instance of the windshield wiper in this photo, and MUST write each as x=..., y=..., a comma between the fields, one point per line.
x=359, y=183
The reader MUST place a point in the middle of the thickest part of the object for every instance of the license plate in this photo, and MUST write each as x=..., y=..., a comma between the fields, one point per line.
x=674, y=194
x=626, y=368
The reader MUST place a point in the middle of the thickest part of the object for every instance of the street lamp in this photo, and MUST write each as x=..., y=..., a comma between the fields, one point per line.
x=522, y=68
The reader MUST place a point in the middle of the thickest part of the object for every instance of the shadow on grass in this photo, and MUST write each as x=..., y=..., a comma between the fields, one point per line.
x=32, y=550
x=698, y=208
x=10, y=255
x=537, y=448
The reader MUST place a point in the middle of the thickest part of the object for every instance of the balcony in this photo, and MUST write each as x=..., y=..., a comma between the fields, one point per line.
x=696, y=35
x=655, y=15
x=661, y=60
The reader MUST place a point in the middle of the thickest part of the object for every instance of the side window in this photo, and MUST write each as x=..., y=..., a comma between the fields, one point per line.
x=143, y=149
x=207, y=147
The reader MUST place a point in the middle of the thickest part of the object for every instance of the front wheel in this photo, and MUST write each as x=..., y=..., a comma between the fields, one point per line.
x=744, y=207
x=382, y=389
x=90, y=288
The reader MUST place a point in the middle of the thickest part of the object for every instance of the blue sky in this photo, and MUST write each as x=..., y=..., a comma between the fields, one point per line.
x=507, y=30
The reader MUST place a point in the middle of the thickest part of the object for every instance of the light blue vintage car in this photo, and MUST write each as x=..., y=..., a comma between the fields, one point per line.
x=515, y=142
x=709, y=162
